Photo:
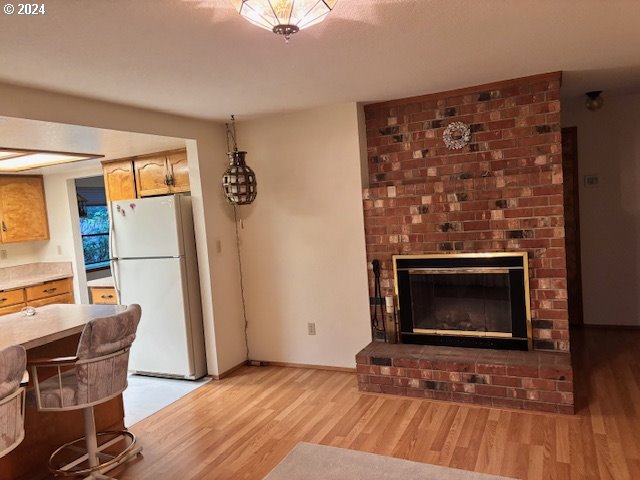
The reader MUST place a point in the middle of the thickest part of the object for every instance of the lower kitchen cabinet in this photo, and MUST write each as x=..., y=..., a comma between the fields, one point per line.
x=46, y=293
x=103, y=296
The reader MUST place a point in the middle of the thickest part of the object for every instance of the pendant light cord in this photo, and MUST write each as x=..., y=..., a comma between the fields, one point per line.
x=244, y=306
x=231, y=133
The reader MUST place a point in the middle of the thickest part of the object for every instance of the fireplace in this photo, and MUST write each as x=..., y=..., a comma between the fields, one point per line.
x=464, y=300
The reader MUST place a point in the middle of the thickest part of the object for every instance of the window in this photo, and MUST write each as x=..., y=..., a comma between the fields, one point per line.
x=94, y=222
x=94, y=229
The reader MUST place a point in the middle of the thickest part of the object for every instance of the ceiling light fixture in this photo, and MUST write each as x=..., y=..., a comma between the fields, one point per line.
x=284, y=17
x=19, y=160
x=594, y=100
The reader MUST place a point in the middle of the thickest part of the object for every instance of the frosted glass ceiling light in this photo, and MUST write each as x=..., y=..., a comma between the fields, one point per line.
x=17, y=160
x=284, y=17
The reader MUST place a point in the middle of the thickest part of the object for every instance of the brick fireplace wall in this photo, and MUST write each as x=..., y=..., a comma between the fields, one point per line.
x=501, y=192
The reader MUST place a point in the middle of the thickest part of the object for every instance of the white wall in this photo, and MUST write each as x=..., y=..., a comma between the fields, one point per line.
x=20, y=253
x=214, y=219
x=609, y=147
x=303, y=247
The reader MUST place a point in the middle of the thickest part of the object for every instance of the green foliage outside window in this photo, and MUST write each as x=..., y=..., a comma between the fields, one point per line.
x=94, y=229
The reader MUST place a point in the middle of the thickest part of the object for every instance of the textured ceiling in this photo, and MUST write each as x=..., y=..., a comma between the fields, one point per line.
x=200, y=58
x=32, y=134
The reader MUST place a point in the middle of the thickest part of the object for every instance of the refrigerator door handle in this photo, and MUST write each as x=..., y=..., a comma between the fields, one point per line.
x=114, y=269
x=114, y=273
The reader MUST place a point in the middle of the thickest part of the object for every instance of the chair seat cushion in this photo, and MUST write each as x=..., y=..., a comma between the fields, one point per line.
x=51, y=393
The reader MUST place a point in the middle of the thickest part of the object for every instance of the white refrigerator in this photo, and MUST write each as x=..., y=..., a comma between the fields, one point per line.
x=154, y=264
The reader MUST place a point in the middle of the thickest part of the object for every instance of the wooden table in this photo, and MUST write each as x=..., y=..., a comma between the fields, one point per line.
x=53, y=331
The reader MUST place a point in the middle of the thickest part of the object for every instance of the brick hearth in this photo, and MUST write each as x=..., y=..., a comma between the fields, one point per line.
x=540, y=381
x=503, y=192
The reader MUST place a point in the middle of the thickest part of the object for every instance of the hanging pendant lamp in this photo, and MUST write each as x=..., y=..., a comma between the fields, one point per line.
x=239, y=181
x=284, y=17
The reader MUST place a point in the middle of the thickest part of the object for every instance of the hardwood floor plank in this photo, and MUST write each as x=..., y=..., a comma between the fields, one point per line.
x=240, y=427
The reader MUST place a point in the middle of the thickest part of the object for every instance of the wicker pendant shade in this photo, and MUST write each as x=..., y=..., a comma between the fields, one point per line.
x=239, y=181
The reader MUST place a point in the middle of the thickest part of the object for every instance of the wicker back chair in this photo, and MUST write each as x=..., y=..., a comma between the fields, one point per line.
x=96, y=374
x=13, y=361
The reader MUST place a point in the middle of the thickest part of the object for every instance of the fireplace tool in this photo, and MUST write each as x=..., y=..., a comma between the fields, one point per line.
x=378, y=325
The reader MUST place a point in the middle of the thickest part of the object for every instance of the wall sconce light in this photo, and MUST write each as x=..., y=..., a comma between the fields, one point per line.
x=594, y=100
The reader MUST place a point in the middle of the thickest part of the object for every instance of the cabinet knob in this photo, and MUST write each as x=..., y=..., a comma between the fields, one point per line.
x=50, y=290
x=106, y=296
x=4, y=226
x=3, y=300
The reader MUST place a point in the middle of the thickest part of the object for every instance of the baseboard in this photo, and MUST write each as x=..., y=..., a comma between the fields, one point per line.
x=264, y=363
x=306, y=365
x=226, y=373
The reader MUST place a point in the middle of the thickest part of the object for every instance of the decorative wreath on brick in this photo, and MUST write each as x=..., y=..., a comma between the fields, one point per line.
x=456, y=135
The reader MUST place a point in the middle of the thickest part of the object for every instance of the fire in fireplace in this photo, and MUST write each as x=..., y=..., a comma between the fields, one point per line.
x=465, y=300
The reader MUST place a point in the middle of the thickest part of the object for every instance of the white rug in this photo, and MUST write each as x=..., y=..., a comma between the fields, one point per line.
x=318, y=462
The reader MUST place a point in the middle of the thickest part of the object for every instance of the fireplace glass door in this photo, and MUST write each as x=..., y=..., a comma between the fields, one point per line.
x=473, y=302
x=464, y=300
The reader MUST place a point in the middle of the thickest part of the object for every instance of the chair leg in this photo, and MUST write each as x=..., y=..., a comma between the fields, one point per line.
x=90, y=436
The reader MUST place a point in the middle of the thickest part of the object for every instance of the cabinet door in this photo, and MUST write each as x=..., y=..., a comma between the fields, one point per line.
x=119, y=181
x=23, y=212
x=65, y=298
x=12, y=308
x=151, y=176
x=179, y=171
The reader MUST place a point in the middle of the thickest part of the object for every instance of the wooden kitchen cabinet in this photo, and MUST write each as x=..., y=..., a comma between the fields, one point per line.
x=179, y=172
x=48, y=289
x=12, y=308
x=64, y=298
x=46, y=293
x=161, y=173
x=164, y=174
x=11, y=301
x=103, y=295
x=152, y=177
x=23, y=210
x=119, y=181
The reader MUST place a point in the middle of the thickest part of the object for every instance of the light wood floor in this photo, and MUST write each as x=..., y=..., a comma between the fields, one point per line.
x=241, y=427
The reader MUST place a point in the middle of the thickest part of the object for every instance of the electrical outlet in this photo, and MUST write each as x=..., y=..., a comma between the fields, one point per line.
x=311, y=328
x=591, y=181
x=3, y=254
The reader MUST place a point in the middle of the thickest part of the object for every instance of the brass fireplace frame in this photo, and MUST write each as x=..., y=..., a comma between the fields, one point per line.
x=525, y=265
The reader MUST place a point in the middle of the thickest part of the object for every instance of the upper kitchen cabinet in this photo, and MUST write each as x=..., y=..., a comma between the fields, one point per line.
x=119, y=180
x=178, y=172
x=152, y=177
x=162, y=174
x=23, y=210
x=146, y=176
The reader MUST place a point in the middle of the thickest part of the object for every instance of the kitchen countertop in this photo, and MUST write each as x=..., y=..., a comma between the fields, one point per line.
x=50, y=323
x=20, y=276
x=105, y=282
